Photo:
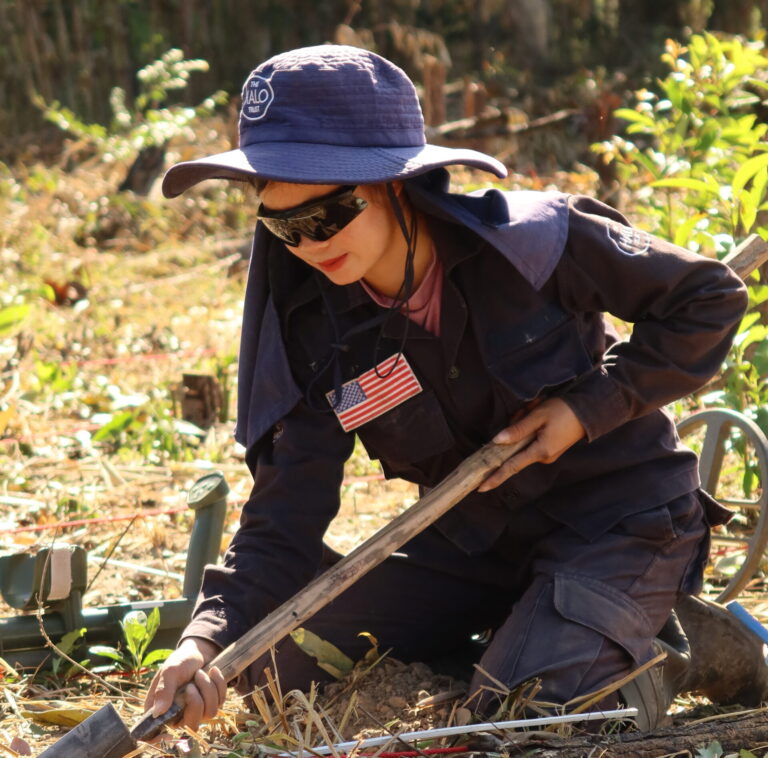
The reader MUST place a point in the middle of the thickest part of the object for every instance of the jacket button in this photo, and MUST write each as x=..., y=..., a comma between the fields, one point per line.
x=453, y=372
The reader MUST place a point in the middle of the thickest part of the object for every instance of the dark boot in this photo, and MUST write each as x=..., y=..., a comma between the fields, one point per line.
x=653, y=691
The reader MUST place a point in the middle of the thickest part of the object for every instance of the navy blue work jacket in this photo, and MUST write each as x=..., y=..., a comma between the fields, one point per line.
x=528, y=276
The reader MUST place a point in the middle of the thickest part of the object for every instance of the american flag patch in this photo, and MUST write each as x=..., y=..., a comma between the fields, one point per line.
x=372, y=393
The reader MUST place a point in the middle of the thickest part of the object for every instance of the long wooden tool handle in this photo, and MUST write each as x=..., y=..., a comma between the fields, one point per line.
x=463, y=480
x=748, y=255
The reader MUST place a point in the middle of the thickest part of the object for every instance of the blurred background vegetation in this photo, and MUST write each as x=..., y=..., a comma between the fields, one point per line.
x=76, y=51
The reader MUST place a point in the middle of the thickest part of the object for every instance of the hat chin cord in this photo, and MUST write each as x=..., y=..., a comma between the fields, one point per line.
x=399, y=304
x=403, y=295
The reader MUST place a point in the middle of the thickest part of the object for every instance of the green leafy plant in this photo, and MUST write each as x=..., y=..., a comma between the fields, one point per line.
x=746, y=383
x=12, y=316
x=151, y=432
x=55, y=377
x=694, y=151
x=138, y=632
x=150, y=120
x=696, y=159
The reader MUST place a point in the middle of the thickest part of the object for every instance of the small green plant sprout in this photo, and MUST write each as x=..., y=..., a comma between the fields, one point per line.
x=65, y=647
x=138, y=632
x=12, y=317
x=150, y=121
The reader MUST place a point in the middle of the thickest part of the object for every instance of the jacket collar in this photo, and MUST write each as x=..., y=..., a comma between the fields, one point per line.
x=529, y=228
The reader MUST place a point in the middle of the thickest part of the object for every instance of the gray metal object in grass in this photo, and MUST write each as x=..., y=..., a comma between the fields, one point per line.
x=718, y=425
x=102, y=735
x=56, y=580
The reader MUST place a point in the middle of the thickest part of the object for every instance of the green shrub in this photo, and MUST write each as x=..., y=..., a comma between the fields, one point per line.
x=151, y=121
x=696, y=160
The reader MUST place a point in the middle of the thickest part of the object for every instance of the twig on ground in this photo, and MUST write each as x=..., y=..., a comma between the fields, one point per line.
x=109, y=554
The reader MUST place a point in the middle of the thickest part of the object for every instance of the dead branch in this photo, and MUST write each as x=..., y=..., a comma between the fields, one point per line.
x=497, y=120
x=732, y=731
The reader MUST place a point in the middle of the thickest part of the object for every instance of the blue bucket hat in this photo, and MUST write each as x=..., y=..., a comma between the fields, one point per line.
x=329, y=114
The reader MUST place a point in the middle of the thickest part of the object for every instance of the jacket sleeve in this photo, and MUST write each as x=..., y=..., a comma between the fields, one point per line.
x=277, y=550
x=685, y=310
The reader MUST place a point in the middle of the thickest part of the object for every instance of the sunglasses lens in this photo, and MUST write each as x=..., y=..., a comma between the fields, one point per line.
x=283, y=229
x=319, y=221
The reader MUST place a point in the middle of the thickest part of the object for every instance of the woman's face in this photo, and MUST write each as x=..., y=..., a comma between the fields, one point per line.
x=370, y=247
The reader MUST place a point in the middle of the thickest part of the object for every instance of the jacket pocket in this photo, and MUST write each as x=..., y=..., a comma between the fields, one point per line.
x=410, y=432
x=654, y=525
x=613, y=614
x=545, y=351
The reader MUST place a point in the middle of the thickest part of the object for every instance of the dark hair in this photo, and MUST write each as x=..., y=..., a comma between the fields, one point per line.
x=257, y=182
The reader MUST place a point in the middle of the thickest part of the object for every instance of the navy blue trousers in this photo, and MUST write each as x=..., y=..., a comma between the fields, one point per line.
x=574, y=612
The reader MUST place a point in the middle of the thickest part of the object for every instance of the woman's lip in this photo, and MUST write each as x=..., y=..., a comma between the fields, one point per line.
x=332, y=263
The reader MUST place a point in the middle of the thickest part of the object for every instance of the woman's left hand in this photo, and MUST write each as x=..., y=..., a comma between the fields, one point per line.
x=555, y=428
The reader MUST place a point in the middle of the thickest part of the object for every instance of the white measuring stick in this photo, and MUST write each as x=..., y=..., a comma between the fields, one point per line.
x=452, y=731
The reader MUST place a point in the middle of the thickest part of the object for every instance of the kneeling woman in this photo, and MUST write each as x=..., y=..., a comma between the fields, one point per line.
x=381, y=305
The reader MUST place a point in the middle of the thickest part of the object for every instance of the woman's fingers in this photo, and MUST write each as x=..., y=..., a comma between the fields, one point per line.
x=194, y=707
x=527, y=456
x=177, y=671
x=556, y=428
x=209, y=693
x=203, y=692
x=221, y=685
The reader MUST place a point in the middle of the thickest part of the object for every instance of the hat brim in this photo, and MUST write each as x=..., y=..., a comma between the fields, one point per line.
x=310, y=163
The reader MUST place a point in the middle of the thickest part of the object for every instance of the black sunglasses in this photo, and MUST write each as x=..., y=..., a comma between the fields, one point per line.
x=318, y=219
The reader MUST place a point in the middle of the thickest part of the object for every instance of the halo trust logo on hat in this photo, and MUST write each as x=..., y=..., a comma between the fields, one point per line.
x=257, y=97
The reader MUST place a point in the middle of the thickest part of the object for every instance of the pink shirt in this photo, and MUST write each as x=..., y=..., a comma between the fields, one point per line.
x=424, y=303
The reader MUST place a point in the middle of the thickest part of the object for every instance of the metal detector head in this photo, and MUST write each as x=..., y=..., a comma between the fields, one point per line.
x=102, y=735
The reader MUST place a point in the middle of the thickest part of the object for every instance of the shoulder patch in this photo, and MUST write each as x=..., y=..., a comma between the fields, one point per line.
x=627, y=239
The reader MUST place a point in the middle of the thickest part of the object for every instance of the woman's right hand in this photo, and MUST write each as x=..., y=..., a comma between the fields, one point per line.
x=204, y=692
